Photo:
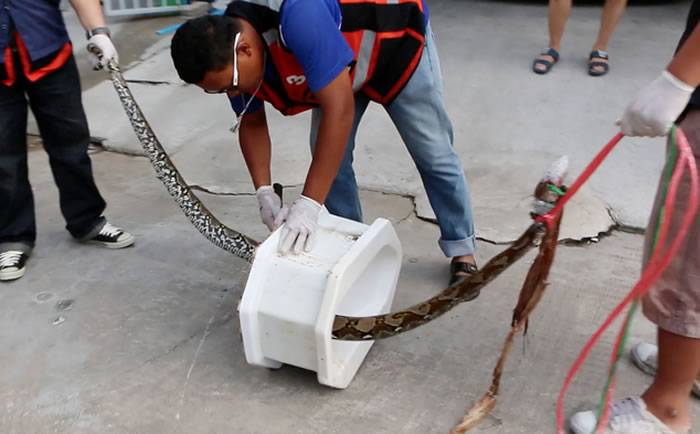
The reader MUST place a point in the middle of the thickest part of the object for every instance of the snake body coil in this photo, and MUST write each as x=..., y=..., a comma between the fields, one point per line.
x=206, y=223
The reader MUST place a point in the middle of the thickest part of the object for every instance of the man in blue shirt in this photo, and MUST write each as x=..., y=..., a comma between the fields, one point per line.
x=333, y=57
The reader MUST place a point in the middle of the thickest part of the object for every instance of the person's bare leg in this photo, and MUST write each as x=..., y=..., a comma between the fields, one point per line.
x=612, y=12
x=668, y=398
x=559, y=11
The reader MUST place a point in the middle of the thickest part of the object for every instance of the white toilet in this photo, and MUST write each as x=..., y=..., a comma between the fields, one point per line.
x=290, y=301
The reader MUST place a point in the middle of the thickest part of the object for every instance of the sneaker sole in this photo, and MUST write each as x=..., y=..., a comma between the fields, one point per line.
x=639, y=363
x=12, y=275
x=120, y=245
x=575, y=429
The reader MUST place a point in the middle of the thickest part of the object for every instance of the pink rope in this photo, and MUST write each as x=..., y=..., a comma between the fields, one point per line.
x=658, y=263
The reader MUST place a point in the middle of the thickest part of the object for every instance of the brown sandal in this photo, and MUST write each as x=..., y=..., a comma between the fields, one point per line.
x=462, y=267
x=603, y=63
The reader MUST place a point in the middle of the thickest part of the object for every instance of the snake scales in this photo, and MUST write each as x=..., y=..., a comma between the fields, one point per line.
x=344, y=327
x=206, y=223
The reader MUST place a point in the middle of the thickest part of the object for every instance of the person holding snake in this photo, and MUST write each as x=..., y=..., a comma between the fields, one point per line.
x=37, y=69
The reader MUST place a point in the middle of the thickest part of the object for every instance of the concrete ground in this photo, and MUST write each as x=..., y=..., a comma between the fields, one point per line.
x=146, y=340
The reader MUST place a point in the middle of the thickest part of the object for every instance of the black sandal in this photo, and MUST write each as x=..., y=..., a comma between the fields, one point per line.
x=462, y=267
x=546, y=63
x=592, y=64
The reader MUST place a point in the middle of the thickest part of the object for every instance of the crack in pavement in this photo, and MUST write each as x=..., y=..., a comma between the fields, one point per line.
x=149, y=82
x=206, y=190
x=403, y=219
x=585, y=241
x=592, y=239
x=207, y=332
x=214, y=325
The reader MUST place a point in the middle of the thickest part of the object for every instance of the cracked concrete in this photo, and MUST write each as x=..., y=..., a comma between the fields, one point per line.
x=218, y=192
x=120, y=361
x=573, y=229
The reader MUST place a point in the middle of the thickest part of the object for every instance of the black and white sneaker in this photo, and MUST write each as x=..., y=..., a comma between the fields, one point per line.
x=112, y=237
x=12, y=264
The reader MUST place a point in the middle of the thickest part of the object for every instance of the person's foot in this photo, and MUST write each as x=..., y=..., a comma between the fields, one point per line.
x=627, y=416
x=645, y=357
x=598, y=63
x=460, y=268
x=545, y=61
x=12, y=264
x=112, y=237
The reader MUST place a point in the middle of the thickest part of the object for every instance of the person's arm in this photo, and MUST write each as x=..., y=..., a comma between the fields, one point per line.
x=89, y=13
x=256, y=147
x=686, y=64
x=311, y=31
x=100, y=46
x=659, y=104
x=337, y=103
x=254, y=138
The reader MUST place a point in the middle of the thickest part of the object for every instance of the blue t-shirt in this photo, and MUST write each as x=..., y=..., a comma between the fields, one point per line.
x=38, y=22
x=310, y=29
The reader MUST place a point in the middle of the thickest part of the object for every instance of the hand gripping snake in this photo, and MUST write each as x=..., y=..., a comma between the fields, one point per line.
x=384, y=325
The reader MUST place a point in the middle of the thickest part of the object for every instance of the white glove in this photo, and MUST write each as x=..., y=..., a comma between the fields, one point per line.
x=300, y=226
x=270, y=206
x=656, y=107
x=101, y=51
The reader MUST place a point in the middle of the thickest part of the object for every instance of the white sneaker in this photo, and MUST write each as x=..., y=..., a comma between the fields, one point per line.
x=12, y=264
x=628, y=416
x=645, y=357
x=112, y=237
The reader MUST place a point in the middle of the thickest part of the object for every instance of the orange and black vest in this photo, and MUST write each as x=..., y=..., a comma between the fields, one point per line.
x=35, y=30
x=387, y=37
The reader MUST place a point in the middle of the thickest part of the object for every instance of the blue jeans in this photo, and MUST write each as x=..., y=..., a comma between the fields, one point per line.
x=418, y=113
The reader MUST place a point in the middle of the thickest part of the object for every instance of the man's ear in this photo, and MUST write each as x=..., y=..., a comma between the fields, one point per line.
x=245, y=48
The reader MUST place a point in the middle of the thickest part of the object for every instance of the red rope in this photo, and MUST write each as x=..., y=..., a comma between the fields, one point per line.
x=658, y=263
x=583, y=177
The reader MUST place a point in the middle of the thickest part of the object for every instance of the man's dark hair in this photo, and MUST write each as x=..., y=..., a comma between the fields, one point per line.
x=203, y=44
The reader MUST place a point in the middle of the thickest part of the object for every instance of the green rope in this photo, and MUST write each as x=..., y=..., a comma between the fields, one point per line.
x=671, y=161
x=556, y=189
